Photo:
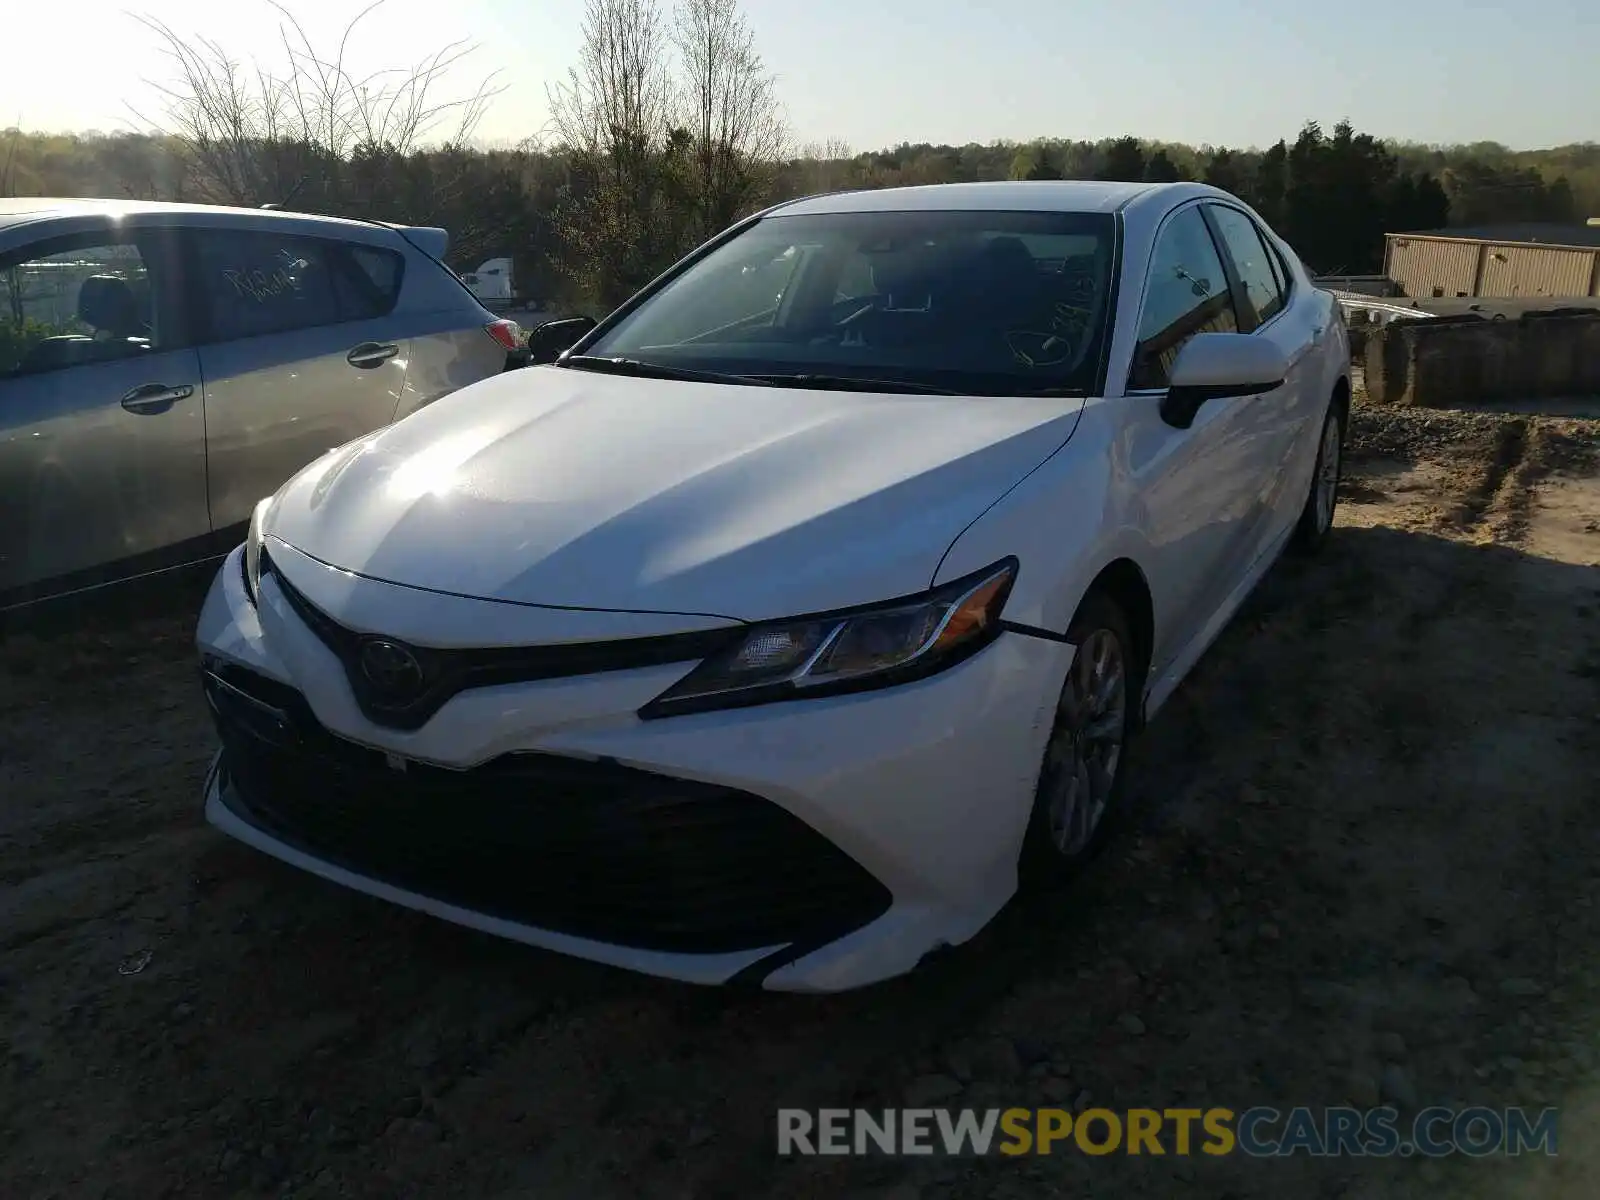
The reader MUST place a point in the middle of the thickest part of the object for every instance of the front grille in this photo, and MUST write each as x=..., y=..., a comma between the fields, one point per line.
x=444, y=673
x=591, y=849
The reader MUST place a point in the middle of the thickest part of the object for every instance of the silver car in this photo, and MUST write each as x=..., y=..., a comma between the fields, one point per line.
x=164, y=366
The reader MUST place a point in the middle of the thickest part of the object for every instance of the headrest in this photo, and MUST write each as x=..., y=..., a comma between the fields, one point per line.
x=1008, y=253
x=906, y=275
x=107, y=303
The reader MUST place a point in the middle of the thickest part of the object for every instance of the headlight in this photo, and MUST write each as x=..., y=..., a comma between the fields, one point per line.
x=252, y=549
x=848, y=651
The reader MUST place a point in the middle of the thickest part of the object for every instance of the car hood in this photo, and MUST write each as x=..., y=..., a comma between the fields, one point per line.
x=566, y=488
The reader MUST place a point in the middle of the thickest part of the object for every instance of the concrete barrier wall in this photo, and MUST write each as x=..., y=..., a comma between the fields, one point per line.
x=1362, y=319
x=1446, y=361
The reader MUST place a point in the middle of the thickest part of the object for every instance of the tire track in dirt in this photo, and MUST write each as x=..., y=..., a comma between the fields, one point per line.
x=1493, y=482
x=1497, y=495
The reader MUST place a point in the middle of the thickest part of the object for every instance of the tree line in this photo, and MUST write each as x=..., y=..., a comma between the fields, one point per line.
x=668, y=128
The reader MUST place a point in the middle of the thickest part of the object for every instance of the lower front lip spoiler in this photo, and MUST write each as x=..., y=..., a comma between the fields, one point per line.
x=755, y=975
x=751, y=977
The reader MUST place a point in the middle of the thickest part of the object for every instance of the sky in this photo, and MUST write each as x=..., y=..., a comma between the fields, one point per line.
x=878, y=72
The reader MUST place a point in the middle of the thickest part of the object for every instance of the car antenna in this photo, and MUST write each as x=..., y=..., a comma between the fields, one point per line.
x=293, y=192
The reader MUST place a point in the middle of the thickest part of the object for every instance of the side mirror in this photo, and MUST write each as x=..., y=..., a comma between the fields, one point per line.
x=549, y=341
x=1214, y=366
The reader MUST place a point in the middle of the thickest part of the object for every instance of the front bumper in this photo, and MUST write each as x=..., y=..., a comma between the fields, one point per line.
x=811, y=846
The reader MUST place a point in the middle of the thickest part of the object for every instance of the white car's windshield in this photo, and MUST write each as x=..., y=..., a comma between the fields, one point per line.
x=986, y=303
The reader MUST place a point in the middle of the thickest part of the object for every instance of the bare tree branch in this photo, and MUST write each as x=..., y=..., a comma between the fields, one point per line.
x=612, y=116
x=252, y=135
x=730, y=107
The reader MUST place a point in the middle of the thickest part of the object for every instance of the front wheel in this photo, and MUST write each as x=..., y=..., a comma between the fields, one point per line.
x=1316, y=518
x=1081, y=781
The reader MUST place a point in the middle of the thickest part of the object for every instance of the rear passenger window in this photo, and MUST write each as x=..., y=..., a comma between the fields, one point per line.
x=259, y=283
x=1253, y=261
x=369, y=279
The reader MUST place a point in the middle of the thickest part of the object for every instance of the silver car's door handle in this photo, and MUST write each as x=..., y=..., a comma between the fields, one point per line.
x=155, y=397
x=370, y=354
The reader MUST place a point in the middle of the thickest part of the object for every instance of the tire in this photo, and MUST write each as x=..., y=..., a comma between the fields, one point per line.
x=1058, y=845
x=1316, y=521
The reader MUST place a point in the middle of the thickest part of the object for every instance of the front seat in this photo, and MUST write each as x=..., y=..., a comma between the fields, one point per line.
x=108, y=306
x=1007, y=282
x=912, y=289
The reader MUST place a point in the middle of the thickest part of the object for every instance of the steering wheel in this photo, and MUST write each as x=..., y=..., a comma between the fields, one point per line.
x=842, y=314
x=851, y=309
x=1054, y=346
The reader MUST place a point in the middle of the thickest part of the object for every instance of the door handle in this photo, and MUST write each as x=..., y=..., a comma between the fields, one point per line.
x=371, y=354
x=155, y=397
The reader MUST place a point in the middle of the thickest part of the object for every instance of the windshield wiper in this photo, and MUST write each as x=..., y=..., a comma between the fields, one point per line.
x=852, y=383
x=1046, y=393
x=840, y=383
x=645, y=370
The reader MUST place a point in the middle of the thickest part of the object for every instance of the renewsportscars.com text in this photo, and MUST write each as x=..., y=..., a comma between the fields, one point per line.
x=1258, y=1132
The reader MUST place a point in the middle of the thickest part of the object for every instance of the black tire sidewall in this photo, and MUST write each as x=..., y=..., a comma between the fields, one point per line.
x=1307, y=536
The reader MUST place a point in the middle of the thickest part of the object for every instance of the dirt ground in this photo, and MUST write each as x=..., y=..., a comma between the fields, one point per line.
x=1364, y=864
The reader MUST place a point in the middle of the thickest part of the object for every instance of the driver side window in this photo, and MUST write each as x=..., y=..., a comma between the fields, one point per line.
x=65, y=307
x=1186, y=293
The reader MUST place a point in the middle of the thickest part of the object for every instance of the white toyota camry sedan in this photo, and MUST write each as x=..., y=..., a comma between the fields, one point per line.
x=804, y=606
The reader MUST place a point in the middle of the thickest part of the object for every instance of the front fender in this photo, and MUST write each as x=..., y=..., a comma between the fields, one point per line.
x=1336, y=352
x=1064, y=523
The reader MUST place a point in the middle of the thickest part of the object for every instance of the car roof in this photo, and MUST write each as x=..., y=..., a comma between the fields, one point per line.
x=22, y=210
x=1028, y=195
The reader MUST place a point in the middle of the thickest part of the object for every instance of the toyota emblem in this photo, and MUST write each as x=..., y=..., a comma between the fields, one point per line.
x=394, y=672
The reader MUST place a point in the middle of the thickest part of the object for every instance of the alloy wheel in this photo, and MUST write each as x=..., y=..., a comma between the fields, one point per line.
x=1086, y=745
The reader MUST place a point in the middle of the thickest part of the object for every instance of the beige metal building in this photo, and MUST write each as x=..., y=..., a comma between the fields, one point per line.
x=1529, y=260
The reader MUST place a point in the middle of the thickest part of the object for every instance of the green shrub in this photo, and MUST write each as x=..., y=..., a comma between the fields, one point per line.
x=16, y=340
